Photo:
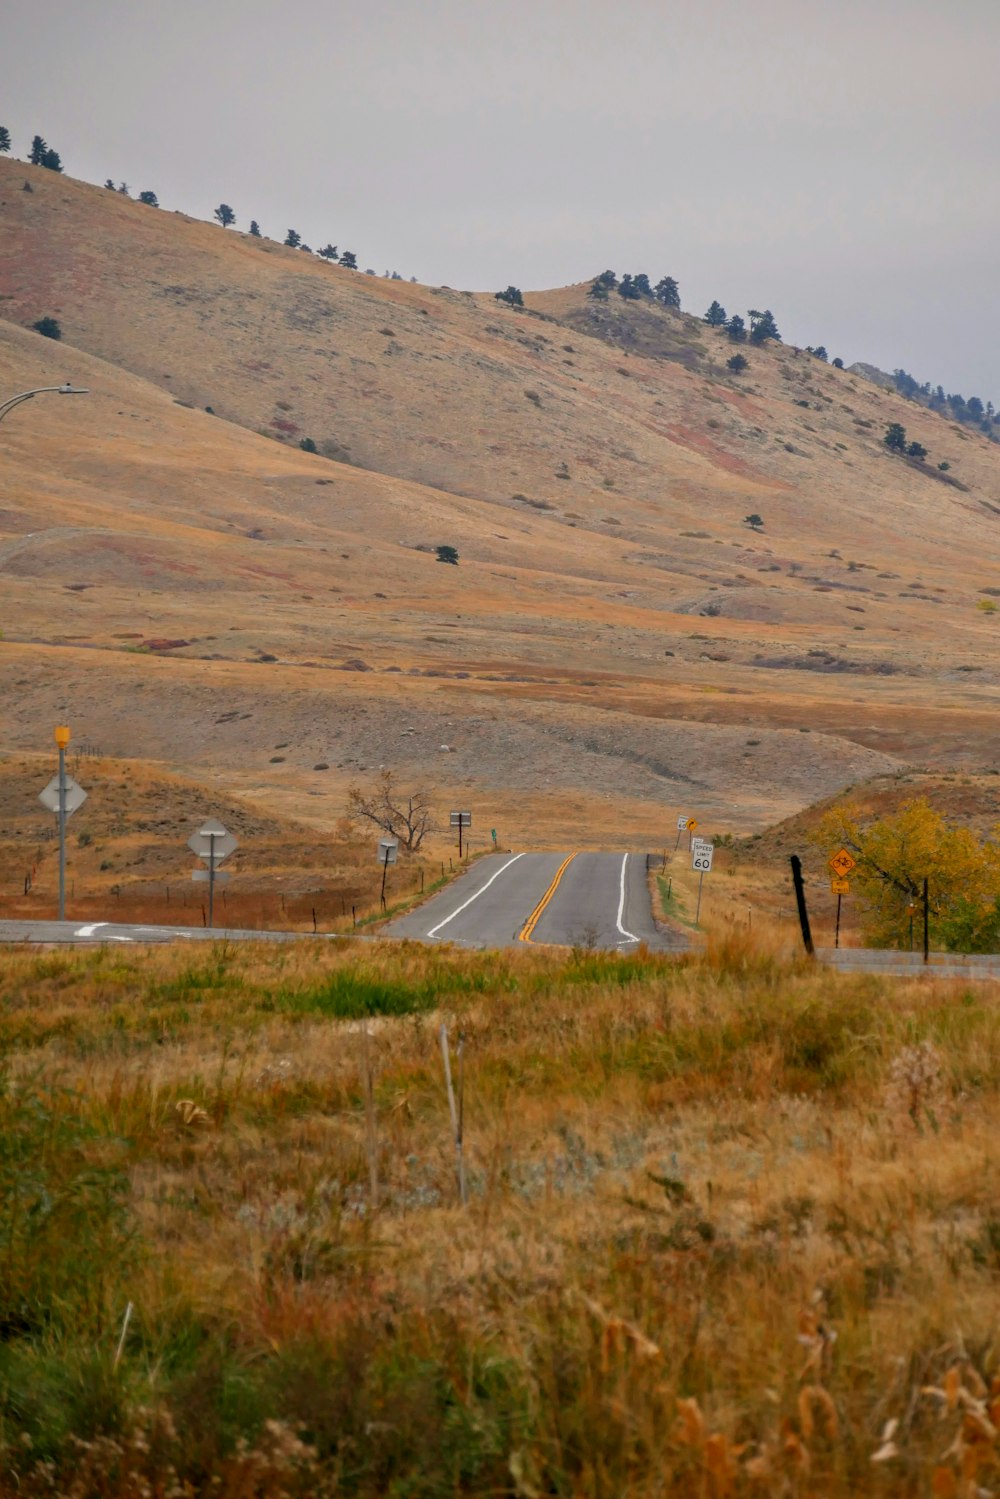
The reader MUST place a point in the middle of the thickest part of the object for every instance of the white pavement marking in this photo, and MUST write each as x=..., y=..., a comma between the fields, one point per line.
x=629, y=937
x=435, y=929
x=92, y=927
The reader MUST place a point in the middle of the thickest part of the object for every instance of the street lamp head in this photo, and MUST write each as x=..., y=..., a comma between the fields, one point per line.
x=26, y=395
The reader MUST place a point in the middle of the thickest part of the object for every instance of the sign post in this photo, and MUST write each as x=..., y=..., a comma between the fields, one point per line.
x=62, y=796
x=701, y=859
x=841, y=888
x=388, y=850
x=841, y=863
x=212, y=843
x=461, y=820
x=682, y=823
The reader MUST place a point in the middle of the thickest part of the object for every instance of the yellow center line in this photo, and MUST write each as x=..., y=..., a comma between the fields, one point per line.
x=532, y=921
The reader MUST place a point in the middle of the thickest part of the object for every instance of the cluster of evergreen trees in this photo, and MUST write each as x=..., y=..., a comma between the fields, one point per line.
x=40, y=155
x=762, y=325
x=970, y=411
x=637, y=287
x=633, y=288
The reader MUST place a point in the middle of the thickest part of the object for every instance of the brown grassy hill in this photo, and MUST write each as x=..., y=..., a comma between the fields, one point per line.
x=615, y=642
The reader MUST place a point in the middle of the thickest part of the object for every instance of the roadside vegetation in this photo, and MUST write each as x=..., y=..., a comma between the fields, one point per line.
x=731, y=1225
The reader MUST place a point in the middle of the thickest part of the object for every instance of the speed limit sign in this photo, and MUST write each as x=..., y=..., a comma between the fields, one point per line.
x=701, y=857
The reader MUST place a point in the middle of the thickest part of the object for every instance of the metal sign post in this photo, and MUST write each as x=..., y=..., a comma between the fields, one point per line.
x=212, y=843
x=388, y=850
x=701, y=859
x=62, y=796
x=461, y=820
x=840, y=888
x=62, y=740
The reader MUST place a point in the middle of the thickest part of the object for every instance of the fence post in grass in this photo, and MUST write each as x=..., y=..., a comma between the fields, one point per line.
x=800, y=901
x=370, y=1136
x=457, y=1113
x=927, y=945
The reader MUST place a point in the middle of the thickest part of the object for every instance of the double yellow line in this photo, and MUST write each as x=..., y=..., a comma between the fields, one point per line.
x=532, y=921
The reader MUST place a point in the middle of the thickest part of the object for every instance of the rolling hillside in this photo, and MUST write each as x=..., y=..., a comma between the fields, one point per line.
x=186, y=585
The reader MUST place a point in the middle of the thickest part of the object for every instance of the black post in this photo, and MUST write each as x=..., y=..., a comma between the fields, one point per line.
x=211, y=878
x=385, y=871
x=836, y=939
x=927, y=945
x=800, y=901
x=460, y=837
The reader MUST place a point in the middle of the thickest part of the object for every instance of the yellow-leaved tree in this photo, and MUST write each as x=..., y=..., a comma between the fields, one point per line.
x=897, y=853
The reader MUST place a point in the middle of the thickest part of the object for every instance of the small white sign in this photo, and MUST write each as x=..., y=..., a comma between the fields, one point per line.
x=204, y=875
x=701, y=858
x=682, y=822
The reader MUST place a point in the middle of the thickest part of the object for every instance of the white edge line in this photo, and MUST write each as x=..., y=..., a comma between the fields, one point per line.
x=495, y=876
x=629, y=936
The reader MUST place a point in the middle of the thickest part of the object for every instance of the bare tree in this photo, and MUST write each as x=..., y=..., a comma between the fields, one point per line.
x=404, y=815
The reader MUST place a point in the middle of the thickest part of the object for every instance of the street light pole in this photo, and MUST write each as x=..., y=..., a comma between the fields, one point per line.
x=62, y=740
x=41, y=390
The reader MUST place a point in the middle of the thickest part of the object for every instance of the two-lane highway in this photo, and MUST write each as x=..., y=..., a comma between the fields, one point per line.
x=569, y=899
x=564, y=899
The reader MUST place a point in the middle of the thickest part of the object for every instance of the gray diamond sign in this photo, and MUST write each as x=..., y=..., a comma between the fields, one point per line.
x=212, y=840
x=75, y=796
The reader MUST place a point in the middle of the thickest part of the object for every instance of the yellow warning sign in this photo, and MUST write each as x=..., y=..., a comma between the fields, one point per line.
x=692, y=823
x=842, y=862
x=840, y=887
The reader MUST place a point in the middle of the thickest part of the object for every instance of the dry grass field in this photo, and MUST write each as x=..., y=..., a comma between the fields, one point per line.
x=181, y=587
x=731, y=1226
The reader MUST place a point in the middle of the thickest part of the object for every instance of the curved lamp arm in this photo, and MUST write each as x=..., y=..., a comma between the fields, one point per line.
x=26, y=395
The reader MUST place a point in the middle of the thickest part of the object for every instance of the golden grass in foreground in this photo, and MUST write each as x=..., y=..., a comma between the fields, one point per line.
x=731, y=1229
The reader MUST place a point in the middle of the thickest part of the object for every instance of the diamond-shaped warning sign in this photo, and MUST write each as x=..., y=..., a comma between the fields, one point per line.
x=842, y=862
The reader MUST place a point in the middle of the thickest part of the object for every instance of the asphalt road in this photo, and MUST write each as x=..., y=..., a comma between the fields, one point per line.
x=570, y=899
x=86, y=933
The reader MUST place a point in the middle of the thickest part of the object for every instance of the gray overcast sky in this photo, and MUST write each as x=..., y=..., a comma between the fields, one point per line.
x=831, y=159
